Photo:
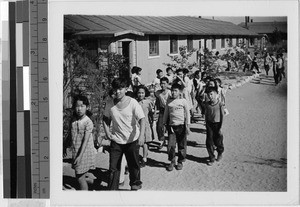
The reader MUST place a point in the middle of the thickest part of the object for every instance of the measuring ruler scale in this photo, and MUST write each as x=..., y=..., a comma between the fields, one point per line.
x=40, y=164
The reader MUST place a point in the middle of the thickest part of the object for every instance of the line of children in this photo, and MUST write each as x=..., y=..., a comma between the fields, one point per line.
x=131, y=126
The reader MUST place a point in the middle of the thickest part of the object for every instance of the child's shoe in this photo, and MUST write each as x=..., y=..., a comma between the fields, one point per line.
x=170, y=166
x=220, y=156
x=211, y=161
x=179, y=166
x=136, y=187
x=143, y=163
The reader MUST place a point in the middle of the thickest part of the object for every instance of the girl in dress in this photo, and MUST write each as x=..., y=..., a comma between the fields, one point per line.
x=83, y=150
x=148, y=109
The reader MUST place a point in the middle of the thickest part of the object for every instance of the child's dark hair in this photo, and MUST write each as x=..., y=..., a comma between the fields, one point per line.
x=197, y=72
x=169, y=68
x=179, y=70
x=176, y=86
x=210, y=89
x=135, y=69
x=218, y=80
x=120, y=83
x=185, y=70
x=203, y=74
x=158, y=71
x=82, y=98
x=147, y=93
x=164, y=79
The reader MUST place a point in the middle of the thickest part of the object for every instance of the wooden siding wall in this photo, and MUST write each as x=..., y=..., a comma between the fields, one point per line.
x=139, y=48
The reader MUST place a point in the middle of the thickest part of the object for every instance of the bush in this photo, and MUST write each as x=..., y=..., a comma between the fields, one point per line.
x=182, y=61
x=89, y=76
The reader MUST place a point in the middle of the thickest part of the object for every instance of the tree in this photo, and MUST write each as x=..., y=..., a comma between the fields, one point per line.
x=276, y=36
x=182, y=61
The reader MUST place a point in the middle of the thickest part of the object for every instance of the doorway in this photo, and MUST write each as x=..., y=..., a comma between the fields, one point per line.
x=126, y=52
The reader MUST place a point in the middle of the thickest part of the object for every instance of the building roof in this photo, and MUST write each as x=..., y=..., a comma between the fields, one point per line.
x=141, y=25
x=266, y=27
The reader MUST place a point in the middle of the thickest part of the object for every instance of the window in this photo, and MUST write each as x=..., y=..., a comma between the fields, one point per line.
x=213, y=44
x=173, y=44
x=251, y=42
x=153, y=45
x=223, y=43
x=229, y=42
x=189, y=43
x=237, y=42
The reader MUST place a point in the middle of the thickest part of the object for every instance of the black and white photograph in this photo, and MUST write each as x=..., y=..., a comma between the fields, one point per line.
x=240, y=145
x=174, y=103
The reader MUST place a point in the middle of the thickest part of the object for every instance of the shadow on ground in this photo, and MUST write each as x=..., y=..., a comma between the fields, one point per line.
x=276, y=163
x=154, y=163
x=195, y=144
x=102, y=176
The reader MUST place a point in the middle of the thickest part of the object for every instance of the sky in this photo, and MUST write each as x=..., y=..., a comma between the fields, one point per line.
x=237, y=20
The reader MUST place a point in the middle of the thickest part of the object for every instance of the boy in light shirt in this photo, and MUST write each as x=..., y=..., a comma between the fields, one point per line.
x=177, y=121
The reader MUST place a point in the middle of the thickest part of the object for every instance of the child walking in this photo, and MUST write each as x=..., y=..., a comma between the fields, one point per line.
x=177, y=121
x=214, y=113
x=83, y=150
x=148, y=107
x=127, y=135
x=162, y=96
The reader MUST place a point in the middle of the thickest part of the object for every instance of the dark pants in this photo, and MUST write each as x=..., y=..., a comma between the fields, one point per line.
x=267, y=68
x=160, y=126
x=278, y=76
x=131, y=152
x=254, y=65
x=282, y=71
x=275, y=74
x=177, y=134
x=214, y=137
x=246, y=66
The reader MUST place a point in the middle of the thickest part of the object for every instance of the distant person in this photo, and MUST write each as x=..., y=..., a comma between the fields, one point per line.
x=214, y=113
x=152, y=116
x=282, y=68
x=196, y=85
x=177, y=121
x=200, y=95
x=148, y=109
x=83, y=150
x=254, y=63
x=136, y=78
x=162, y=96
x=221, y=91
x=279, y=65
x=156, y=81
x=127, y=135
x=248, y=61
x=267, y=62
x=170, y=76
x=274, y=60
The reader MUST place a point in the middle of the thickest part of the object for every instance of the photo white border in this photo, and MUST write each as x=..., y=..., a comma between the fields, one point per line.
x=57, y=9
